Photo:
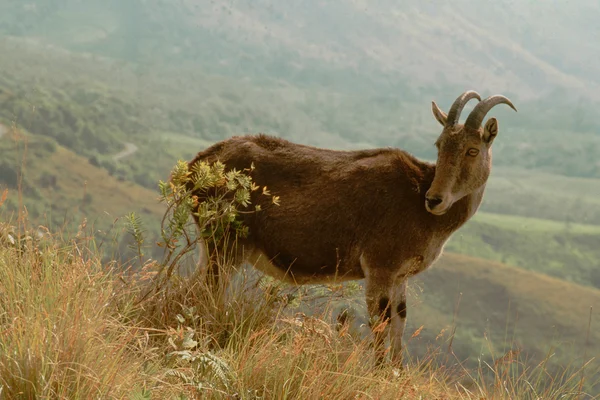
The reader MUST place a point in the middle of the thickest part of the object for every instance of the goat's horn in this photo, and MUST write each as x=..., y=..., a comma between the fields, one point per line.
x=458, y=105
x=479, y=112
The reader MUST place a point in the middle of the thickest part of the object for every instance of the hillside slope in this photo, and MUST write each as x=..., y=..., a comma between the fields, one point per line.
x=60, y=187
x=498, y=308
x=564, y=250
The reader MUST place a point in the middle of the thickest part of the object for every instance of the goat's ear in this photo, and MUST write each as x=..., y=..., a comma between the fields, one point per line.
x=438, y=114
x=490, y=130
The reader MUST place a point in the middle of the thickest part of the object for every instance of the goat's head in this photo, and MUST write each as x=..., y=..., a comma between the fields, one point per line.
x=464, y=151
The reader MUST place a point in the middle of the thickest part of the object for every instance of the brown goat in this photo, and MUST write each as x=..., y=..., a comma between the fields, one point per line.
x=381, y=214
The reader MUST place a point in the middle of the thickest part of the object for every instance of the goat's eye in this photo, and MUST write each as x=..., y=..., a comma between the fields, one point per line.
x=472, y=152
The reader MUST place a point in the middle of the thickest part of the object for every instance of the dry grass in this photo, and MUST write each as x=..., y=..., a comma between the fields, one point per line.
x=246, y=338
x=62, y=334
x=73, y=328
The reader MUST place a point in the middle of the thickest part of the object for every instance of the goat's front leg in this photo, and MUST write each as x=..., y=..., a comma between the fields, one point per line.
x=398, y=319
x=378, y=294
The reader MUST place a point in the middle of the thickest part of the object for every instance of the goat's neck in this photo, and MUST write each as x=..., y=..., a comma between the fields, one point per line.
x=462, y=210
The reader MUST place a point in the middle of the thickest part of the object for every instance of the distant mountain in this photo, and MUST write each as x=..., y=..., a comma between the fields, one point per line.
x=525, y=49
x=336, y=74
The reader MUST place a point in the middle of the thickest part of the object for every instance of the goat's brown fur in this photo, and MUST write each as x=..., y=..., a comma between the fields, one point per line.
x=347, y=215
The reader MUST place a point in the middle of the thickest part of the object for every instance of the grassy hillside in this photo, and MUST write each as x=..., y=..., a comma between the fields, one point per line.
x=77, y=331
x=567, y=251
x=467, y=313
x=538, y=194
x=495, y=308
x=58, y=184
x=62, y=189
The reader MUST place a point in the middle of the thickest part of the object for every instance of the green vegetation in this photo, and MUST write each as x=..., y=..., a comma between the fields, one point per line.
x=515, y=191
x=534, y=225
x=564, y=250
x=78, y=117
x=62, y=190
x=93, y=105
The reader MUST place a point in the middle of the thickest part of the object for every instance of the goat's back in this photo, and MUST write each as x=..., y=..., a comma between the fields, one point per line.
x=331, y=202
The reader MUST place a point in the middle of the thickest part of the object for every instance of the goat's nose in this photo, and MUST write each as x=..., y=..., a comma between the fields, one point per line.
x=433, y=202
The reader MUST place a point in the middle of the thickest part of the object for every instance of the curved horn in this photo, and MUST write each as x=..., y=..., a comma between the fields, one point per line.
x=459, y=104
x=476, y=117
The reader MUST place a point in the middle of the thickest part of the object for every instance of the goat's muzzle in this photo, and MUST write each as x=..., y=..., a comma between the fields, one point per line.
x=435, y=205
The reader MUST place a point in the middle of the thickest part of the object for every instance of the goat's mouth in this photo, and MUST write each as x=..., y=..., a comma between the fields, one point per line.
x=437, y=205
x=437, y=211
